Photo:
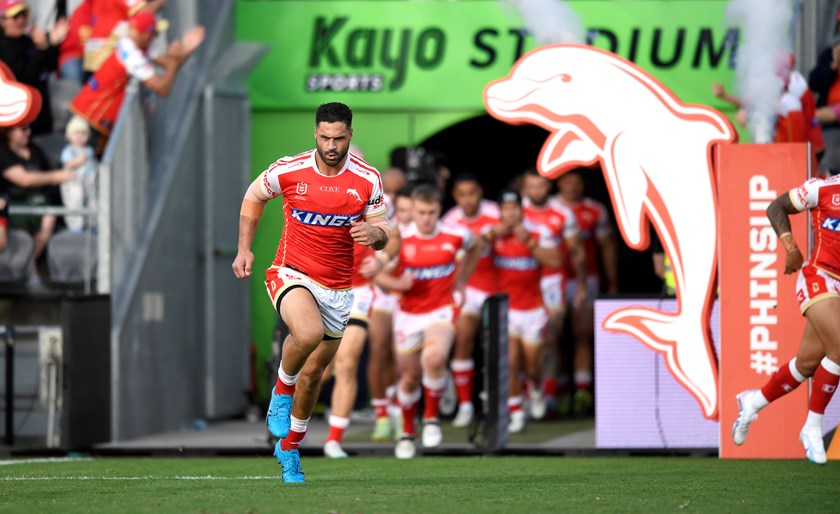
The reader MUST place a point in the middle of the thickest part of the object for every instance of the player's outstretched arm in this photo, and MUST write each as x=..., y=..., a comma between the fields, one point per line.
x=778, y=212
x=249, y=219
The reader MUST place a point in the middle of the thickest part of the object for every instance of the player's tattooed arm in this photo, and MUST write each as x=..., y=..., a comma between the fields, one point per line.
x=778, y=212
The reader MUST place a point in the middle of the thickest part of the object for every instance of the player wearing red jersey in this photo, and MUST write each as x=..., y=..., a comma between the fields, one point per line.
x=423, y=325
x=818, y=294
x=540, y=208
x=520, y=249
x=381, y=363
x=478, y=215
x=598, y=241
x=331, y=200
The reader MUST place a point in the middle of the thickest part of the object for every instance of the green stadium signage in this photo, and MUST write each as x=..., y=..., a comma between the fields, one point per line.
x=439, y=55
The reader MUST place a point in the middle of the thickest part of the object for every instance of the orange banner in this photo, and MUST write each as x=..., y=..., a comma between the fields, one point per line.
x=760, y=322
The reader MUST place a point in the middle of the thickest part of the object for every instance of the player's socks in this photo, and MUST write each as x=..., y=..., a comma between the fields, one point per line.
x=380, y=407
x=463, y=373
x=549, y=387
x=337, y=427
x=825, y=382
x=433, y=389
x=296, y=434
x=514, y=404
x=285, y=382
x=408, y=403
x=784, y=380
x=583, y=380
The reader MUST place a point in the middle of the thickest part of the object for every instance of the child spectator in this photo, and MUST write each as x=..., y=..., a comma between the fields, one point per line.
x=77, y=156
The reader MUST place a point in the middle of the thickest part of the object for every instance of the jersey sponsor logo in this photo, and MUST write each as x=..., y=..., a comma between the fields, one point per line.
x=835, y=199
x=516, y=263
x=448, y=247
x=329, y=189
x=375, y=201
x=301, y=188
x=353, y=192
x=410, y=250
x=431, y=272
x=324, y=220
x=831, y=224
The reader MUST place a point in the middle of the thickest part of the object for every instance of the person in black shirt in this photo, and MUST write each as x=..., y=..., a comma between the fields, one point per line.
x=27, y=178
x=31, y=58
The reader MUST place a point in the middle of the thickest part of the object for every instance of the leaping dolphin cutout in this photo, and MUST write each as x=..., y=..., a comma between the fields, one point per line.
x=655, y=152
x=19, y=103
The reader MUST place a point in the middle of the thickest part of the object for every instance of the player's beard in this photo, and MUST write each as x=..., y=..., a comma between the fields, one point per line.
x=331, y=162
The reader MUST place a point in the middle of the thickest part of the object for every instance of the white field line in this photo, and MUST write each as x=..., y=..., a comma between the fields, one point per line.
x=12, y=462
x=94, y=478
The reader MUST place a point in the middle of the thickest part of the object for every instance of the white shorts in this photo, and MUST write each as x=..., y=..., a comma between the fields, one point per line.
x=334, y=304
x=813, y=284
x=409, y=329
x=362, y=303
x=473, y=301
x=593, y=288
x=528, y=326
x=552, y=291
x=384, y=301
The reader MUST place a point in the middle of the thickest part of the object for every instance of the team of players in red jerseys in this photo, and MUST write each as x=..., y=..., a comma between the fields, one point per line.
x=438, y=279
x=434, y=275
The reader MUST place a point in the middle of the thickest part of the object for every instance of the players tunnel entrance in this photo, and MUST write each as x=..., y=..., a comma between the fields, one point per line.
x=496, y=152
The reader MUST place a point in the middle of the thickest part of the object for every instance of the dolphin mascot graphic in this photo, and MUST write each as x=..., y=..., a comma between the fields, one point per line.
x=655, y=152
x=19, y=103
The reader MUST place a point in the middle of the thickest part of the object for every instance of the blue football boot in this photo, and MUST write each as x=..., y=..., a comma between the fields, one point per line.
x=279, y=414
x=289, y=460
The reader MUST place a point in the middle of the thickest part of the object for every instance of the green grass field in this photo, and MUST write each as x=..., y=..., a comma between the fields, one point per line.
x=424, y=485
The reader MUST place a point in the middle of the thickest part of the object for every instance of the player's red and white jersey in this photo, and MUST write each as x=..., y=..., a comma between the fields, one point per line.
x=484, y=276
x=823, y=198
x=359, y=254
x=593, y=222
x=519, y=271
x=317, y=211
x=431, y=260
x=557, y=217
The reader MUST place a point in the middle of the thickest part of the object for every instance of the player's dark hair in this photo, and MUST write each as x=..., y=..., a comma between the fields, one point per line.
x=404, y=192
x=465, y=177
x=332, y=112
x=427, y=193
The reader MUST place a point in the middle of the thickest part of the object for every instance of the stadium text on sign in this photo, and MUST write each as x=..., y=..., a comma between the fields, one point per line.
x=763, y=279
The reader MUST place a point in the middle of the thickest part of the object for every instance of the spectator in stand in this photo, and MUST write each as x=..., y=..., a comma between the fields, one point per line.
x=823, y=81
x=30, y=57
x=28, y=179
x=100, y=100
x=106, y=25
x=78, y=156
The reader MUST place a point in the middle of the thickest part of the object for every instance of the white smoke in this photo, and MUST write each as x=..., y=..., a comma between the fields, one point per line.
x=550, y=21
x=763, y=56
